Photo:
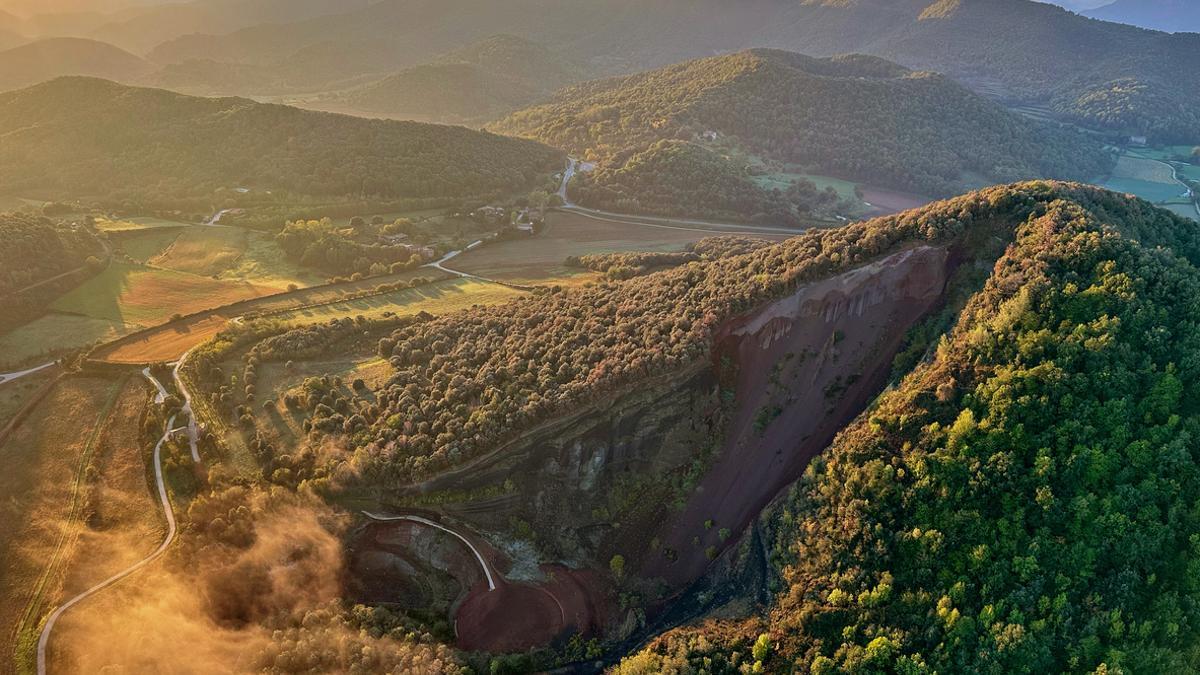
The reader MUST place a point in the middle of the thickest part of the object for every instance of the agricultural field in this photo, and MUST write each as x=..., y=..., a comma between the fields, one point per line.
x=45, y=487
x=170, y=341
x=227, y=253
x=441, y=297
x=122, y=522
x=541, y=259
x=1147, y=178
x=53, y=333
x=143, y=296
x=14, y=395
x=114, y=225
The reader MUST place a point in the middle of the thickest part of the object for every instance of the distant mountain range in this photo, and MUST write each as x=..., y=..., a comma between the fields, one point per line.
x=46, y=59
x=1101, y=74
x=475, y=84
x=1173, y=16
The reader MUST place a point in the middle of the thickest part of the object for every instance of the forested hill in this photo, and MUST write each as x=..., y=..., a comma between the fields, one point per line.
x=89, y=138
x=476, y=84
x=1026, y=500
x=856, y=117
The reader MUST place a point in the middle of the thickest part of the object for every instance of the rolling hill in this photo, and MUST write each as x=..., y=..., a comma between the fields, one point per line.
x=953, y=440
x=90, y=138
x=472, y=85
x=1024, y=486
x=1016, y=50
x=56, y=57
x=1172, y=16
x=856, y=117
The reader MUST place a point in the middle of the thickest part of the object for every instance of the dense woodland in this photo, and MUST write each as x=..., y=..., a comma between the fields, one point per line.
x=458, y=391
x=856, y=117
x=1021, y=502
x=673, y=177
x=1025, y=501
x=100, y=140
x=36, y=248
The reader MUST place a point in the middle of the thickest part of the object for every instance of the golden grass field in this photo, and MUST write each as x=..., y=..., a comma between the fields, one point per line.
x=45, y=488
x=33, y=342
x=170, y=341
x=143, y=296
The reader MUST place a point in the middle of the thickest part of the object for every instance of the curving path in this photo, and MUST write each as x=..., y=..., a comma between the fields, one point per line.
x=193, y=428
x=9, y=377
x=487, y=569
x=47, y=630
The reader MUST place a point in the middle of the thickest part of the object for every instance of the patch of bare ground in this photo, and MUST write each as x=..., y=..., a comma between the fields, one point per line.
x=807, y=365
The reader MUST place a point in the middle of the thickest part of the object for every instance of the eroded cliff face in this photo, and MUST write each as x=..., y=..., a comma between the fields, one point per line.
x=672, y=475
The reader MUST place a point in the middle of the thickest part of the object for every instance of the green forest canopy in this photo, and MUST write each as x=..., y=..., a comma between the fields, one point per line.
x=88, y=138
x=858, y=117
x=1027, y=500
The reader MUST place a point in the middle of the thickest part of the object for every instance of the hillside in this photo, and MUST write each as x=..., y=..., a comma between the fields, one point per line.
x=1172, y=16
x=88, y=138
x=1017, y=50
x=473, y=85
x=55, y=57
x=1023, y=501
x=855, y=117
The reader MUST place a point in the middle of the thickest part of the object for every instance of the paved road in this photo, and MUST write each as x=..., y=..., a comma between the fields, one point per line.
x=9, y=377
x=44, y=638
x=487, y=570
x=193, y=429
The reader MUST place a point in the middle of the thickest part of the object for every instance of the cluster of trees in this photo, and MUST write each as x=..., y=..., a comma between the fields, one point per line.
x=675, y=177
x=727, y=246
x=37, y=248
x=37, y=261
x=322, y=245
x=97, y=139
x=466, y=383
x=618, y=266
x=1025, y=501
x=857, y=117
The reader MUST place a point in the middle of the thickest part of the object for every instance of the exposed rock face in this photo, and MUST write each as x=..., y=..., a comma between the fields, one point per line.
x=671, y=475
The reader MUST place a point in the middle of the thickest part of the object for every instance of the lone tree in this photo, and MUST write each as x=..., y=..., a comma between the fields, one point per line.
x=617, y=565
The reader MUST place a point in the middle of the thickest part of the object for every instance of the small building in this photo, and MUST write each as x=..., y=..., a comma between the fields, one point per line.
x=1138, y=141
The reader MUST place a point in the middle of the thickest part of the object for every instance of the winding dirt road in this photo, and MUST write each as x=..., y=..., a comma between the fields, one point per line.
x=487, y=569
x=48, y=629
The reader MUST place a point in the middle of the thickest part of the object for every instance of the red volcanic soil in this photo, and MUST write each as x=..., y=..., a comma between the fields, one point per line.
x=513, y=617
x=886, y=202
x=517, y=617
x=816, y=358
